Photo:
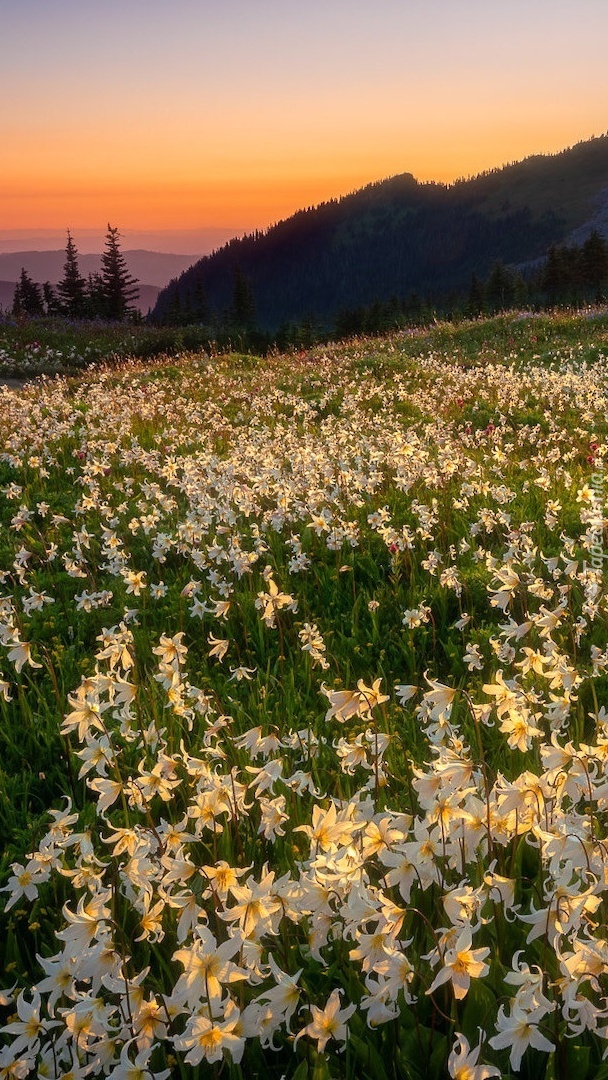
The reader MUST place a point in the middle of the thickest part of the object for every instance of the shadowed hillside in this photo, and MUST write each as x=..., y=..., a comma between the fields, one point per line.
x=394, y=238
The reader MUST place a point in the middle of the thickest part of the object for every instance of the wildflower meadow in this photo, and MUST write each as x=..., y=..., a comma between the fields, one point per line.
x=304, y=711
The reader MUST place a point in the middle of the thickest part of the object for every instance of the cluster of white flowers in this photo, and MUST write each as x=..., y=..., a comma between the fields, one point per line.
x=239, y=847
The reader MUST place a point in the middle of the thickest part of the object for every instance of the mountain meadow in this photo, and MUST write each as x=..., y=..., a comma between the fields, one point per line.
x=303, y=699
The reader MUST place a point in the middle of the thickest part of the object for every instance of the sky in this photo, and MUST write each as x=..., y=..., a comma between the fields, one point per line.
x=178, y=120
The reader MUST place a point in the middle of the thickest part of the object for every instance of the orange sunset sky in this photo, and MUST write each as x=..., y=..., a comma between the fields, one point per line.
x=168, y=117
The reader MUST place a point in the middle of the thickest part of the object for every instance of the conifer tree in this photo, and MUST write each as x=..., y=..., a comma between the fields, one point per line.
x=594, y=262
x=520, y=291
x=476, y=297
x=555, y=274
x=119, y=287
x=51, y=303
x=96, y=303
x=201, y=307
x=72, y=288
x=28, y=297
x=499, y=287
x=242, y=313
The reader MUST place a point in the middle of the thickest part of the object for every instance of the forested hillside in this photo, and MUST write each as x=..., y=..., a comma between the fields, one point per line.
x=393, y=238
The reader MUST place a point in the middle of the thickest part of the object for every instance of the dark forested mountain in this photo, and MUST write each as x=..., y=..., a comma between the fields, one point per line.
x=395, y=238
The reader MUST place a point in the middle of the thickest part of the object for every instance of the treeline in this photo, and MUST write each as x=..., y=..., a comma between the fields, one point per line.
x=564, y=275
x=109, y=294
x=575, y=274
x=569, y=275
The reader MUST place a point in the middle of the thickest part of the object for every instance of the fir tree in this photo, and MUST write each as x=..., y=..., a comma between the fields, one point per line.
x=119, y=287
x=72, y=288
x=28, y=297
x=594, y=263
x=174, y=311
x=520, y=291
x=499, y=287
x=557, y=274
x=95, y=297
x=201, y=307
x=51, y=303
x=476, y=297
x=242, y=313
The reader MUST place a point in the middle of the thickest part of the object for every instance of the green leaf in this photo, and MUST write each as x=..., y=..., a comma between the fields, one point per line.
x=369, y=1058
x=301, y=1072
x=321, y=1069
x=480, y=1005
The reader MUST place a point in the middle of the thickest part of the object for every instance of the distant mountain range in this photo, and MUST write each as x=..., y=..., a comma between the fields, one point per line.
x=153, y=269
x=395, y=238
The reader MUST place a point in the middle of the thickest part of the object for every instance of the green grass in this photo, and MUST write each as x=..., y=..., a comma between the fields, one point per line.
x=54, y=346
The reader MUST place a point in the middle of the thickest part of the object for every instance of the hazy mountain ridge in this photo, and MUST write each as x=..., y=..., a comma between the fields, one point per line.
x=153, y=270
x=400, y=236
x=193, y=242
x=7, y=292
x=153, y=267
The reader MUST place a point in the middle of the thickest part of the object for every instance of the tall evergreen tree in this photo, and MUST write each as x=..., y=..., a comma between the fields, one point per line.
x=242, y=313
x=28, y=297
x=476, y=297
x=120, y=289
x=201, y=307
x=51, y=303
x=95, y=298
x=559, y=273
x=594, y=262
x=499, y=287
x=521, y=291
x=72, y=288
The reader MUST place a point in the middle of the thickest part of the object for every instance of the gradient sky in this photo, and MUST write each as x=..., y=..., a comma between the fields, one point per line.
x=185, y=114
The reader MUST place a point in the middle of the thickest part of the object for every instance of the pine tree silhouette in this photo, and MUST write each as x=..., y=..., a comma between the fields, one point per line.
x=28, y=297
x=72, y=289
x=120, y=289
